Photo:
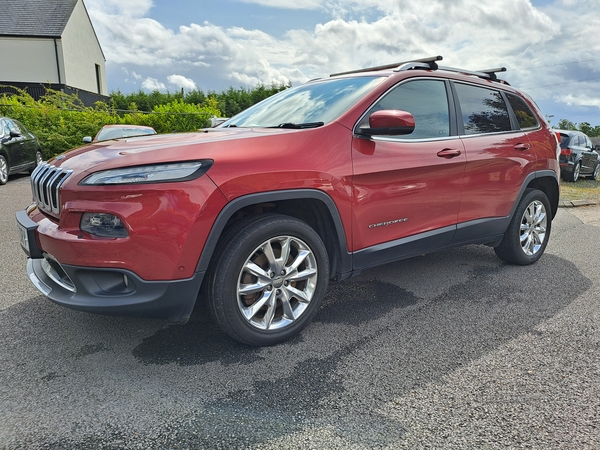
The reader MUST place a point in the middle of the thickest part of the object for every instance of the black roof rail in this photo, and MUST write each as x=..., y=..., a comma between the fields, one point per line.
x=429, y=63
x=487, y=74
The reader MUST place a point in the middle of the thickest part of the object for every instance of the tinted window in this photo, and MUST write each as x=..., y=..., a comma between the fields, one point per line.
x=426, y=100
x=525, y=116
x=564, y=140
x=483, y=110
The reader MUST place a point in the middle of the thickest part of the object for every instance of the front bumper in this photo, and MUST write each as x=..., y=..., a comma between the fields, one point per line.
x=106, y=291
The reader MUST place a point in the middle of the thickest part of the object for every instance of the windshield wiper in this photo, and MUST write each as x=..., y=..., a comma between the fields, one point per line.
x=299, y=125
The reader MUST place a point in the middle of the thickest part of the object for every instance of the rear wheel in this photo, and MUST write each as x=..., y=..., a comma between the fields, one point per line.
x=38, y=160
x=574, y=176
x=527, y=235
x=596, y=174
x=268, y=280
x=3, y=170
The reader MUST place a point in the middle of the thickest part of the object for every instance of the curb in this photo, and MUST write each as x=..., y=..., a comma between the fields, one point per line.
x=576, y=203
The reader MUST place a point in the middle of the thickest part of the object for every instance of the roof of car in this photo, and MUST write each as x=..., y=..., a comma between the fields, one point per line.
x=569, y=132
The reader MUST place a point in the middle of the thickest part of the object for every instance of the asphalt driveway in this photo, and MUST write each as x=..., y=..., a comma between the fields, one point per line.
x=453, y=350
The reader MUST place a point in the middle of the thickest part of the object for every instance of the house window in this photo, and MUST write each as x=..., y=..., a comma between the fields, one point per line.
x=98, y=79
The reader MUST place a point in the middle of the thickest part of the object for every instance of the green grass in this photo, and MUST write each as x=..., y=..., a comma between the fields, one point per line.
x=582, y=189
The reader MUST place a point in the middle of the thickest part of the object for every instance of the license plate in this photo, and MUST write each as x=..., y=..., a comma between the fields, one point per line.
x=26, y=228
x=23, y=238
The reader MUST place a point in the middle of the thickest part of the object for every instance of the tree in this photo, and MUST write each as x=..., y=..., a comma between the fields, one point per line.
x=565, y=124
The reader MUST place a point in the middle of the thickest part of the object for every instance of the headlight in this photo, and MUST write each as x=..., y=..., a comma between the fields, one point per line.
x=156, y=173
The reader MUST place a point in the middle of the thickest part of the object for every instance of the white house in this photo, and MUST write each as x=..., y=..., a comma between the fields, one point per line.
x=51, y=42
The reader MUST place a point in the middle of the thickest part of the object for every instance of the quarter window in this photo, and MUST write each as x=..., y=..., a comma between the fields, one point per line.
x=525, y=116
x=483, y=110
x=426, y=100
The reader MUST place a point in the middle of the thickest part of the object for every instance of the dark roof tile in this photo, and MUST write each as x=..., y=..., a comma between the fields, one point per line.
x=35, y=17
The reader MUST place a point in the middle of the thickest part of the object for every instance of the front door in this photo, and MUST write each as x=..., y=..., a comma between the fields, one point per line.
x=407, y=189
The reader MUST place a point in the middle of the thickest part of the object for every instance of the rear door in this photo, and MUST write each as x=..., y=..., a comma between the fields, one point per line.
x=589, y=156
x=499, y=156
x=409, y=185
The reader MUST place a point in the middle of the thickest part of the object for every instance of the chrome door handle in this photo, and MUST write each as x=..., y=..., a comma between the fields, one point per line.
x=449, y=153
x=522, y=147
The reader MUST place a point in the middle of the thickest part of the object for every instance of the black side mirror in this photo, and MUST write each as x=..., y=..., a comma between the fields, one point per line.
x=388, y=122
x=14, y=134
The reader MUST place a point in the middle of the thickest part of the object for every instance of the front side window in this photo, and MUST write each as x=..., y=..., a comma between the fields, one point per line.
x=524, y=115
x=483, y=110
x=426, y=100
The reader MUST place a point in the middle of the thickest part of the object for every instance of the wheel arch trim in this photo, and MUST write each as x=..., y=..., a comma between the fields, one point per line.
x=264, y=197
x=531, y=178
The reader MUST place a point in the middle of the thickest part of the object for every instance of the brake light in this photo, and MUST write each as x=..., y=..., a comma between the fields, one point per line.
x=566, y=151
x=558, y=136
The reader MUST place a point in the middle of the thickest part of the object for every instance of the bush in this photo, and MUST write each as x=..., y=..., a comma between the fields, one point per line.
x=60, y=121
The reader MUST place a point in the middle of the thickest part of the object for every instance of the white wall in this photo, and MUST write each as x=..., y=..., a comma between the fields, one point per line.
x=29, y=60
x=82, y=52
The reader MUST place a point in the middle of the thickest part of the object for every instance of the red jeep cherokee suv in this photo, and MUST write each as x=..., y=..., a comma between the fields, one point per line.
x=316, y=183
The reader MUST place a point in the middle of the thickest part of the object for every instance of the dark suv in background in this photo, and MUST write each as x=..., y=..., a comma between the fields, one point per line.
x=577, y=156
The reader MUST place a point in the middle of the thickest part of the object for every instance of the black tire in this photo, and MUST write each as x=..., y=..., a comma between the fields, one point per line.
x=527, y=235
x=4, y=170
x=574, y=176
x=596, y=173
x=38, y=160
x=261, y=307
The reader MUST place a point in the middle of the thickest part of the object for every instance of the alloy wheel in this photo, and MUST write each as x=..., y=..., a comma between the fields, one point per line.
x=533, y=228
x=277, y=283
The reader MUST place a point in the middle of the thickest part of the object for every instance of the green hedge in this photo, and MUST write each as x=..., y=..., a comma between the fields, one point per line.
x=60, y=121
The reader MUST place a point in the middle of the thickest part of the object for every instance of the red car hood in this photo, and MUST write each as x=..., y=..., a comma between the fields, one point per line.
x=159, y=148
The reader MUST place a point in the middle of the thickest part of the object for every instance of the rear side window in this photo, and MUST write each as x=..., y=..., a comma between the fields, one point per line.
x=525, y=116
x=483, y=110
x=564, y=140
x=426, y=100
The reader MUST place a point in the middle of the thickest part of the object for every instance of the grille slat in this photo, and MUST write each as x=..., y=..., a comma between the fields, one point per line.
x=46, y=181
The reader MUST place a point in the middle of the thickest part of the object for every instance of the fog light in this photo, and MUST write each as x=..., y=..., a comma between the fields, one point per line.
x=103, y=225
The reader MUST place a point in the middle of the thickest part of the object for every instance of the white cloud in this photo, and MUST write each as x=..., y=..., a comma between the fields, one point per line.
x=182, y=82
x=288, y=4
x=152, y=84
x=474, y=34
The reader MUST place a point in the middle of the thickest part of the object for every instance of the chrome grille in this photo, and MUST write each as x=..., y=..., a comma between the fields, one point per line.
x=46, y=180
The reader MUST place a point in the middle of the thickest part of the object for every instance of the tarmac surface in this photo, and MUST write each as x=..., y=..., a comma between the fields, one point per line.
x=453, y=350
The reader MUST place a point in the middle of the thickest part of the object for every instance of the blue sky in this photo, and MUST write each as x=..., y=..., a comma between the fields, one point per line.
x=550, y=47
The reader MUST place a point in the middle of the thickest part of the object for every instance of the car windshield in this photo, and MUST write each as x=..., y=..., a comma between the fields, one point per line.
x=116, y=133
x=310, y=105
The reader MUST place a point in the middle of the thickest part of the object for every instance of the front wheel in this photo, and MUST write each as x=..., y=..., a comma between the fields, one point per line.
x=268, y=279
x=527, y=235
